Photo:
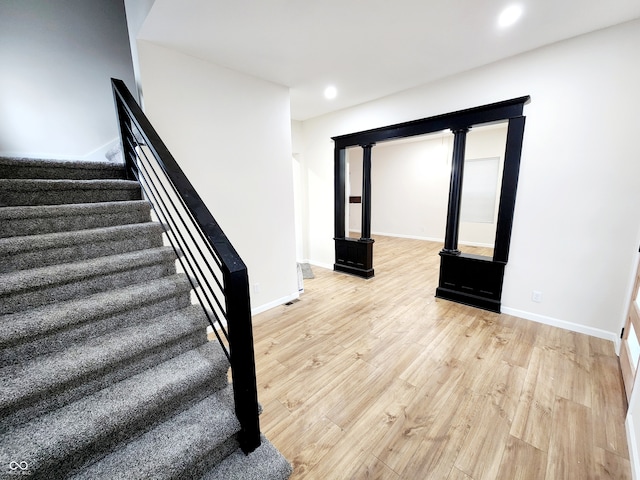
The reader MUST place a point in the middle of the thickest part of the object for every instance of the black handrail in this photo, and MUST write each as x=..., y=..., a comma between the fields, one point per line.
x=217, y=273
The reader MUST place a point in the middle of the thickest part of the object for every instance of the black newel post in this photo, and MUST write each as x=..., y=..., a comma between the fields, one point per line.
x=366, y=191
x=245, y=389
x=455, y=192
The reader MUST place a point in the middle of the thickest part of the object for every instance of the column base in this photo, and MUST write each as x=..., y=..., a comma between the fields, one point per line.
x=472, y=280
x=354, y=256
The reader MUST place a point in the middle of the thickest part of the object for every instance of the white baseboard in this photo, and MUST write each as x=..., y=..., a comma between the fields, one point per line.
x=275, y=303
x=411, y=237
x=554, y=322
x=632, y=441
x=429, y=239
x=475, y=244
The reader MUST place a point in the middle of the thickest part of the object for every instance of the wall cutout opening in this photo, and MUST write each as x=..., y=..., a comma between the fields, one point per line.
x=482, y=179
x=464, y=277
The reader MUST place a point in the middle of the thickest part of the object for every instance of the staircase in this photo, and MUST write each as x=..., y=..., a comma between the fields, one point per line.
x=105, y=365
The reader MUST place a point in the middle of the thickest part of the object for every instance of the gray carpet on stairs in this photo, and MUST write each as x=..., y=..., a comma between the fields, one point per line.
x=37, y=220
x=59, y=169
x=32, y=251
x=106, y=367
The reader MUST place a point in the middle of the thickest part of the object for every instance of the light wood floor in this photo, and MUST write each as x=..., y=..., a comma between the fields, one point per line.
x=378, y=379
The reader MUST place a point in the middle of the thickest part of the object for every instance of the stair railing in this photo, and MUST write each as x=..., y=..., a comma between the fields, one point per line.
x=216, y=272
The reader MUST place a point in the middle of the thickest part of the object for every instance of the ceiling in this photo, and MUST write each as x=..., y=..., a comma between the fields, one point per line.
x=368, y=49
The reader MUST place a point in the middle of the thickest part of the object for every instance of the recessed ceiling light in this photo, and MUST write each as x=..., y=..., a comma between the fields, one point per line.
x=330, y=92
x=509, y=16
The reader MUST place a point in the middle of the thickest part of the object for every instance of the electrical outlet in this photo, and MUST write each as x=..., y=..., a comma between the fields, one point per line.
x=536, y=296
x=256, y=288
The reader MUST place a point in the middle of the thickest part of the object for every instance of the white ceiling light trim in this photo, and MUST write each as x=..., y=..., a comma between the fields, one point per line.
x=509, y=16
x=330, y=92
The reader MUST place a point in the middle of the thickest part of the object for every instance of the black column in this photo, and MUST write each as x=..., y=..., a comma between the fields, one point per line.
x=339, y=192
x=354, y=256
x=515, y=133
x=455, y=192
x=366, y=192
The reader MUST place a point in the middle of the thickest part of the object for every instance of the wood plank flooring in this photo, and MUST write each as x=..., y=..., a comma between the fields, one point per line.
x=376, y=379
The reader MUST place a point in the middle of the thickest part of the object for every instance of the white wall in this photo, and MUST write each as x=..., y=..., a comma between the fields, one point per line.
x=410, y=185
x=231, y=134
x=481, y=143
x=57, y=59
x=409, y=188
x=576, y=223
x=299, y=189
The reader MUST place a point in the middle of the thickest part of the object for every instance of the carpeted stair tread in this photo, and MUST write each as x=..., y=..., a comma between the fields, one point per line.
x=31, y=288
x=41, y=219
x=29, y=333
x=33, y=251
x=184, y=446
x=38, y=277
x=264, y=463
x=14, y=192
x=81, y=369
x=84, y=431
x=42, y=168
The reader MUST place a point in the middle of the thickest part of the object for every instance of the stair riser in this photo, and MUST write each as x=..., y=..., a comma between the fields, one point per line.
x=32, y=346
x=71, y=253
x=41, y=402
x=50, y=224
x=11, y=198
x=27, y=299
